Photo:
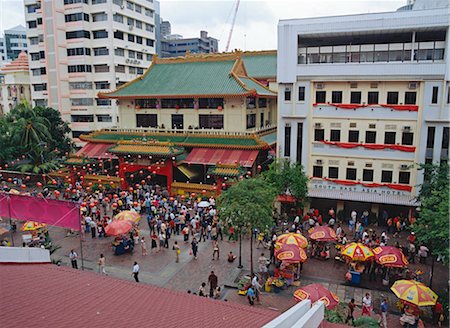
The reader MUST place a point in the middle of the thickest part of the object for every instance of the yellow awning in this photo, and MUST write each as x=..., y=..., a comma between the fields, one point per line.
x=187, y=171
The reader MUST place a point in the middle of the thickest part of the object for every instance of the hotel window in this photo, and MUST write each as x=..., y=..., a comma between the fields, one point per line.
x=321, y=97
x=120, y=68
x=82, y=101
x=103, y=51
x=103, y=102
x=333, y=172
x=262, y=102
x=82, y=118
x=80, y=85
x=287, y=94
x=353, y=136
x=335, y=135
x=372, y=97
x=210, y=102
x=118, y=35
x=430, y=136
x=146, y=120
x=102, y=85
x=99, y=17
x=139, y=40
x=434, y=95
x=119, y=52
x=371, y=136
x=130, y=21
x=130, y=5
x=251, y=121
x=101, y=68
x=130, y=37
x=79, y=68
x=97, y=2
x=351, y=174
x=148, y=42
x=410, y=98
x=355, y=97
x=407, y=138
x=131, y=54
x=389, y=138
x=445, y=138
x=211, y=121
x=102, y=34
x=76, y=17
x=287, y=140
x=118, y=18
x=132, y=70
x=139, y=71
x=392, y=98
x=104, y=118
x=317, y=171
x=177, y=121
x=386, y=176
x=78, y=35
x=299, y=142
x=336, y=97
x=137, y=8
x=301, y=93
x=32, y=24
x=319, y=134
x=367, y=175
x=139, y=24
x=404, y=177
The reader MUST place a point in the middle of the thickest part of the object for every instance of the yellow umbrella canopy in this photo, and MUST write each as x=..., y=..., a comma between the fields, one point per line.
x=32, y=225
x=357, y=252
x=131, y=216
x=292, y=239
x=414, y=292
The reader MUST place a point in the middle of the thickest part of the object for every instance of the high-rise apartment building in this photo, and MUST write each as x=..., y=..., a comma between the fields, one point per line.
x=362, y=100
x=15, y=42
x=2, y=50
x=80, y=47
x=174, y=45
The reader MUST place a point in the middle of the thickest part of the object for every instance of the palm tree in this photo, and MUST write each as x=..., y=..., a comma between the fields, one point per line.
x=38, y=161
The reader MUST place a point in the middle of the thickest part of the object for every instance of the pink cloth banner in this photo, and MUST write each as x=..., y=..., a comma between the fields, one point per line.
x=53, y=212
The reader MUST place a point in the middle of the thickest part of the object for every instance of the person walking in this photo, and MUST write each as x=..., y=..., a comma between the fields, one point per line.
x=256, y=287
x=350, y=309
x=383, y=310
x=194, y=247
x=177, y=250
x=135, y=271
x=366, y=305
x=215, y=250
x=101, y=264
x=213, y=283
x=73, y=259
x=251, y=295
x=202, y=290
x=143, y=246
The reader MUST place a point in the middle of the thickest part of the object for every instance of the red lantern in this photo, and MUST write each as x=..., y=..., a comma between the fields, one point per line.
x=9, y=179
x=40, y=195
x=91, y=205
x=106, y=171
x=111, y=182
x=90, y=183
x=224, y=185
x=259, y=167
x=59, y=171
x=117, y=167
x=68, y=190
x=106, y=200
x=27, y=178
x=57, y=193
x=23, y=186
x=214, y=188
x=141, y=172
x=96, y=202
x=88, y=188
x=130, y=189
x=39, y=184
x=83, y=204
x=249, y=173
x=203, y=191
x=171, y=199
x=135, y=204
x=123, y=193
x=154, y=172
x=183, y=196
x=148, y=177
x=100, y=186
x=122, y=179
x=114, y=205
x=131, y=176
x=193, y=195
x=74, y=191
x=117, y=172
x=79, y=187
x=143, y=182
x=115, y=196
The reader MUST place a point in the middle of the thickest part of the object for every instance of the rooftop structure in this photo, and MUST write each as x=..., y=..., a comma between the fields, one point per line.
x=15, y=42
x=174, y=45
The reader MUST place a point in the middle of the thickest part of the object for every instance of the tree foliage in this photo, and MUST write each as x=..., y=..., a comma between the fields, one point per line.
x=432, y=225
x=287, y=177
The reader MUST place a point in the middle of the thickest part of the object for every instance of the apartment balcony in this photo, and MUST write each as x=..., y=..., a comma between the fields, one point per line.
x=363, y=151
x=355, y=111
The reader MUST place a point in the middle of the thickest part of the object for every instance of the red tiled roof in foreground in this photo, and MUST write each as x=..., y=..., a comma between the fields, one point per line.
x=46, y=295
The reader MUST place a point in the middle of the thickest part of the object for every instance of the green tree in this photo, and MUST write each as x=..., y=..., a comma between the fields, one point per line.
x=288, y=177
x=432, y=227
x=248, y=205
x=59, y=130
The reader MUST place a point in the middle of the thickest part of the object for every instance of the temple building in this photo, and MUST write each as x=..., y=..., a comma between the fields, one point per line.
x=192, y=123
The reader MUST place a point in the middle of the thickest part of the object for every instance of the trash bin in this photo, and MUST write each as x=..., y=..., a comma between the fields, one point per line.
x=356, y=278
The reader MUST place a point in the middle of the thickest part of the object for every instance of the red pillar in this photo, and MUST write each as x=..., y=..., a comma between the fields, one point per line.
x=169, y=175
x=219, y=182
x=123, y=180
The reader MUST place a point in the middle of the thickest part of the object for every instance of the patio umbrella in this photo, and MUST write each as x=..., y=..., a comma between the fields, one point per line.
x=357, y=252
x=131, y=216
x=3, y=231
x=292, y=238
x=204, y=203
x=290, y=253
x=390, y=256
x=414, y=292
x=316, y=292
x=322, y=233
x=14, y=192
x=32, y=225
x=117, y=228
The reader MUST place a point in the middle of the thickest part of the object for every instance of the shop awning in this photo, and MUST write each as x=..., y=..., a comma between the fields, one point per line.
x=377, y=198
x=209, y=156
x=186, y=171
x=96, y=150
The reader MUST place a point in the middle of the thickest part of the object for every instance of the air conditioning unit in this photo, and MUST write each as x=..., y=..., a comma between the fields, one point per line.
x=406, y=128
x=353, y=85
x=122, y=7
x=413, y=85
x=351, y=163
x=320, y=85
x=130, y=27
x=368, y=164
x=318, y=125
x=372, y=126
x=404, y=167
x=319, y=161
x=353, y=125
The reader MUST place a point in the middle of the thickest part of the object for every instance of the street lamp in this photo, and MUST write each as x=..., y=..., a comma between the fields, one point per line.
x=240, y=250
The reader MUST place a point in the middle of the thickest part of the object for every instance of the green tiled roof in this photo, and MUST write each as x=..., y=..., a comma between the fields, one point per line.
x=113, y=137
x=261, y=65
x=270, y=138
x=222, y=171
x=189, y=76
x=221, y=141
x=254, y=85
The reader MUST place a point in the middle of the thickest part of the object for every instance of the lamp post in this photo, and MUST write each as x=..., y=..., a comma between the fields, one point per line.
x=240, y=250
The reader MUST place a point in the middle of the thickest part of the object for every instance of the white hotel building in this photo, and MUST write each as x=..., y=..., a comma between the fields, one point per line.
x=362, y=99
x=78, y=48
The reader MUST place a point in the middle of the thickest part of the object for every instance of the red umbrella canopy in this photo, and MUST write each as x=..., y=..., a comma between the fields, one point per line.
x=390, y=256
x=323, y=233
x=316, y=292
x=117, y=228
x=291, y=253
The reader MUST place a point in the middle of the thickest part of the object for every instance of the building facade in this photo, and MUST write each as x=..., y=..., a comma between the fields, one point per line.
x=2, y=50
x=80, y=47
x=174, y=45
x=15, y=42
x=362, y=103
x=15, y=85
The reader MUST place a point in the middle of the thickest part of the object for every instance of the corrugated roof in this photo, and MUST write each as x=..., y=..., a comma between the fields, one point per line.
x=63, y=297
x=270, y=138
x=261, y=64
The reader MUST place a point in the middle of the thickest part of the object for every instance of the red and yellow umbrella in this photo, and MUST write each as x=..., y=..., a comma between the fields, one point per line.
x=390, y=256
x=290, y=253
x=322, y=233
x=32, y=225
x=357, y=252
x=131, y=216
x=414, y=292
x=117, y=228
x=292, y=239
x=316, y=292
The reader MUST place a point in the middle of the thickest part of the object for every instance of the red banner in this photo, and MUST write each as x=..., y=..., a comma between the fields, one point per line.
x=409, y=149
x=412, y=108
x=369, y=185
x=53, y=212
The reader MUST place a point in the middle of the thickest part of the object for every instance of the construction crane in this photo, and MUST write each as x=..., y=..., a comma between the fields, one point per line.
x=232, y=25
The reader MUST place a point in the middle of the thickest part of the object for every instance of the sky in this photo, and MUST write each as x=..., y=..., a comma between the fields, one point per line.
x=256, y=20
